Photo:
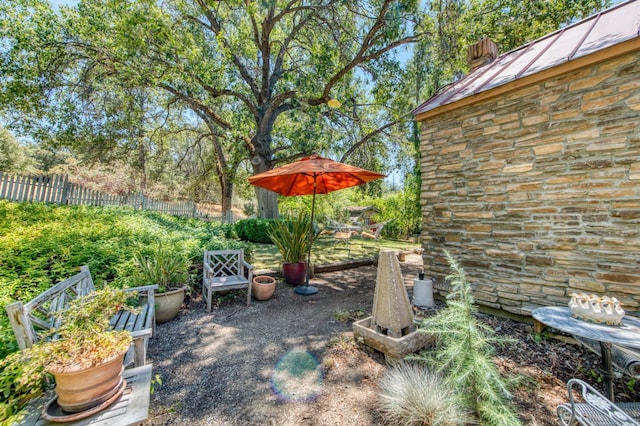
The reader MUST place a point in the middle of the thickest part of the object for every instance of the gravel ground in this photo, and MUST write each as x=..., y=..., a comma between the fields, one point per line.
x=290, y=360
x=269, y=363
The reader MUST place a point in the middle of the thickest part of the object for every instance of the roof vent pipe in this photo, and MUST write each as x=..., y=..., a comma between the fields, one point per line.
x=481, y=53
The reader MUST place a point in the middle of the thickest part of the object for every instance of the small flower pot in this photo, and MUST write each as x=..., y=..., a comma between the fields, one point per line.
x=263, y=287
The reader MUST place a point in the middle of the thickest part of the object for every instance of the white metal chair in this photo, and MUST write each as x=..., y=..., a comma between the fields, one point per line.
x=596, y=410
x=225, y=270
x=375, y=230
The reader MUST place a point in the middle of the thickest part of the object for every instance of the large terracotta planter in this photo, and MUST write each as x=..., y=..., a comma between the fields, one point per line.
x=168, y=304
x=263, y=287
x=81, y=390
x=294, y=273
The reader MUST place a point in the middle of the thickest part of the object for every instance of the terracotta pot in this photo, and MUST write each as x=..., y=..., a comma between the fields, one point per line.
x=168, y=304
x=80, y=390
x=263, y=287
x=294, y=273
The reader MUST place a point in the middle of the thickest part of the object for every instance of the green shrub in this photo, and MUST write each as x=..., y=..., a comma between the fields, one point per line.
x=42, y=244
x=411, y=395
x=254, y=230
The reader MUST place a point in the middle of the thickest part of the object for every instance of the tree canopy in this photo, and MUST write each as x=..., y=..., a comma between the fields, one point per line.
x=238, y=82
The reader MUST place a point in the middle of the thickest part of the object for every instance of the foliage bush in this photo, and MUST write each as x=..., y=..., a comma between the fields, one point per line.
x=42, y=244
x=401, y=210
x=254, y=230
x=464, y=351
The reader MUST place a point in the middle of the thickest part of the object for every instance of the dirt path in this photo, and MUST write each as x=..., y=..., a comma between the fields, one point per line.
x=288, y=361
x=233, y=366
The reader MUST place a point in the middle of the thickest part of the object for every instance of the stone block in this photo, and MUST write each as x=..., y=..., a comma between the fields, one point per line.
x=512, y=298
x=554, y=291
x=506, y=118
x=491, y=130
x=618, y=278
x=518, y=168
x=548, y=149
x=589, y=82
x=452, y=148
x=539, y=260
x=602, y=102
x=394, y=348
x=533, y=120
x=578, y=285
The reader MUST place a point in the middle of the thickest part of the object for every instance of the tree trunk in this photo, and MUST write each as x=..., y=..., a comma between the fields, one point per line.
x=227, y=194
x=261, y=162
x=267, y=203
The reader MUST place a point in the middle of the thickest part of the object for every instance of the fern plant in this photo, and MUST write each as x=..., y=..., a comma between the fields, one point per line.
x=464, y=350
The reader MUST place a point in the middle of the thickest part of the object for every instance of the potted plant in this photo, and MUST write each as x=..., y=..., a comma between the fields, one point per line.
x=168, y=270
x=291, y=238
x=83, y=355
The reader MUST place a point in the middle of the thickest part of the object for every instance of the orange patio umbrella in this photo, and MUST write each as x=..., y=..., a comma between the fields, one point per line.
x=310, y=176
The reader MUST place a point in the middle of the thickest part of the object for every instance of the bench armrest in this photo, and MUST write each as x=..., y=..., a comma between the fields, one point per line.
x=142, y=334
x=143, y=289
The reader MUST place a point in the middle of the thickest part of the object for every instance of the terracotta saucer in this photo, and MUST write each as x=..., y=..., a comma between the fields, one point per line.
x=54, y=413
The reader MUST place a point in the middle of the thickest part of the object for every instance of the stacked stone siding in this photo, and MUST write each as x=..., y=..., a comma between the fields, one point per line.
x=537, y=192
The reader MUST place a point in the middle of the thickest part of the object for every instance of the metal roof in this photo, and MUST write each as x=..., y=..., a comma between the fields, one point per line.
x=595, y=33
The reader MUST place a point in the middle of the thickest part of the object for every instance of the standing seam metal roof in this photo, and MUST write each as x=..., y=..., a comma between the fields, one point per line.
x=595, y=33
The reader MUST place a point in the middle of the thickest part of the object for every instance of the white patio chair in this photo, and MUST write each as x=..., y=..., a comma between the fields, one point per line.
x=225, y=270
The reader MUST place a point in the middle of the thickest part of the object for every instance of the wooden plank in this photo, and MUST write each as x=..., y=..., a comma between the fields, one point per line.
x=17, y=182
x=37, y=181
x=17, y=189
x=10, y=190
x=2, y=183
x=64, y=196
x=339, y=266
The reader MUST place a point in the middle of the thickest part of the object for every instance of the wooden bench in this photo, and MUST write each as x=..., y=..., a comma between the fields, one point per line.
x=225, y=270
x=32, y=320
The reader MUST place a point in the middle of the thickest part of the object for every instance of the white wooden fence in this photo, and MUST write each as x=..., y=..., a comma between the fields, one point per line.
x=58, y=190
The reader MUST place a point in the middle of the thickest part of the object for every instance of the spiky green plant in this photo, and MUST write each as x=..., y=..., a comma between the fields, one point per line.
x=163, y=267
x=291, y=237
x=411, y=395
x=464, y=351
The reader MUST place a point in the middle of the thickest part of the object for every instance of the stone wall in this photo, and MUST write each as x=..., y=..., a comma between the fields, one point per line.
x=537, y=192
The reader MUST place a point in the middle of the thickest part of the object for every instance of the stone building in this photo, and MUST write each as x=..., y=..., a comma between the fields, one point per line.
x=531, y=168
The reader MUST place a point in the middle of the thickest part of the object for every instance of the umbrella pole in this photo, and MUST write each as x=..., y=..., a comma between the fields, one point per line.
x=306, y=290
